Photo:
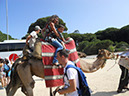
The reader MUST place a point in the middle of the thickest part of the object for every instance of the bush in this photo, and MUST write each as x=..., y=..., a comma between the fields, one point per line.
x=91, y=48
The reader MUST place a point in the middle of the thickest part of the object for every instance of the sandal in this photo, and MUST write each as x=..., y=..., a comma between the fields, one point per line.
x=119, y=90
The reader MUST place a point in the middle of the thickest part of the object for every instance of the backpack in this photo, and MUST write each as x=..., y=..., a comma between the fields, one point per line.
x=6, y=68
x=83, y=89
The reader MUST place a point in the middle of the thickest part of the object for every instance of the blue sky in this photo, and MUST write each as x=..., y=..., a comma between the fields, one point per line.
x=87, y=16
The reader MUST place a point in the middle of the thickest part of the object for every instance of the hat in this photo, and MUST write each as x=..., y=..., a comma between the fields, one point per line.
x=37, y=28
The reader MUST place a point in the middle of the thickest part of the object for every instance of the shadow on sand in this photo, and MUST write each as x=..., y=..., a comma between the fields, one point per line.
x=112, y=93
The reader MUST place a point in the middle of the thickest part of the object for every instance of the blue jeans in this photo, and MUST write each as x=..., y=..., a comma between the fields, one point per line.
x=58, y=45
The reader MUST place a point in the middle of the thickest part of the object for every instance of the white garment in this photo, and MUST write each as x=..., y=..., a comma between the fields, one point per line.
x=125, y=53
x=122, y=61
x=72, y=74
x=33, y=39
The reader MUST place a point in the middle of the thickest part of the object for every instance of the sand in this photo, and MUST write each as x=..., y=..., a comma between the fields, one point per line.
x=103, y=82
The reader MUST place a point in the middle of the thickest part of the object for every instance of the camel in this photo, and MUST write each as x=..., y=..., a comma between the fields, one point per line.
x=23, y=71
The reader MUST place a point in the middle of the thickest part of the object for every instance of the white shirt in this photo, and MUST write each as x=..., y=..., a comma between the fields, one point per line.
x=122, y=61
x=72, y=74
x=33, y=39
x=125, y=53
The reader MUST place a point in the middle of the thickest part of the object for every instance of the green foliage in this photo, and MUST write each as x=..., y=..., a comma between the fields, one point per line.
x=4, y=37
x=121, y=46
x=111, y=48
x=42, y=21
x=109, y=33
x=124, y=34
x=93, y=47
x=82, y=45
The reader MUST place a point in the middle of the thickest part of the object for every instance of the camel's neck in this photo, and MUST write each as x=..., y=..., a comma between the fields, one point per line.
x=91, y=67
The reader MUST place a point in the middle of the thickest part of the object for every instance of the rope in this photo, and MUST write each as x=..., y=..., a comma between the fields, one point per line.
x=112, y=66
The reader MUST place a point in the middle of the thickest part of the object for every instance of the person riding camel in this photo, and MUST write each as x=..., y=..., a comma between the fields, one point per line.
x=32, y=38
x=30, y=41
x=52, y=34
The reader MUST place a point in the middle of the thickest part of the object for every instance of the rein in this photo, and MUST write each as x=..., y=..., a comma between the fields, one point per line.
x=112, y=66
x=103, y=63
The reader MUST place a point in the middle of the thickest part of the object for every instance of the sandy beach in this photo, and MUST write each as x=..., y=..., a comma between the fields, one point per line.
x=103, y=82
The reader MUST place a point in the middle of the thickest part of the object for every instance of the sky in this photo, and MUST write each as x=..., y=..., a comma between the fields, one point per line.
x=87, y=16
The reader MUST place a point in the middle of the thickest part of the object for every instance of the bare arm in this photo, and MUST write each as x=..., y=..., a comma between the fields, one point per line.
x=53, y=28
x=70, y=89
x=28, y=39
x=63, y=44
x=1, y=64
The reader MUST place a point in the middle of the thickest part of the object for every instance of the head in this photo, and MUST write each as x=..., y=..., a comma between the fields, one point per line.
x=62, y=56
x=54, y=19
x=105, y=54
x=1, y=60
x=61, y=28
x=37, y=29
x=6, y=61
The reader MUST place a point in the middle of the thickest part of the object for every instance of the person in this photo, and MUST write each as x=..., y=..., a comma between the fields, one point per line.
x=7, y=69
x=61, y=39
x=2, y=73
x=30, y=42
x=72, y=82
x=31, y=39
x=51, y=35
x=123, y=62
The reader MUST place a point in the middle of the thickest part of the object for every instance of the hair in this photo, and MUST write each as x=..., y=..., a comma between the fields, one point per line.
x=63, y=52
x=60, y=26
x=52, y=18
x=1, y=60
x=6, y=61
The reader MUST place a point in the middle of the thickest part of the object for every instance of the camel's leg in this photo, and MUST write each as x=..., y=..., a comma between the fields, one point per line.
x=26, y=78
x=10, y=90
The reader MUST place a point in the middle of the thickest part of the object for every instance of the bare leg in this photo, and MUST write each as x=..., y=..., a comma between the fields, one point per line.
x=2, y=82
x=8, y=80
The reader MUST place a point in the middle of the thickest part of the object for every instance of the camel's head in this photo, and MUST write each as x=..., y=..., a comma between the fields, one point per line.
x=105, y=54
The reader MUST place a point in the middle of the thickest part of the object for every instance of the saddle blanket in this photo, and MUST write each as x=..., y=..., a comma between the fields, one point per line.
x=54, y=74
x=123, y=62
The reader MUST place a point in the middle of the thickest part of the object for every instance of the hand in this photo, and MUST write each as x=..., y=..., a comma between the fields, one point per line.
x=60, y=91
x=126, y=58
x=27, y=43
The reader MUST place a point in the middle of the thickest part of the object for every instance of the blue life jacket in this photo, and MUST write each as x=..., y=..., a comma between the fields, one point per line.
x=83, y=89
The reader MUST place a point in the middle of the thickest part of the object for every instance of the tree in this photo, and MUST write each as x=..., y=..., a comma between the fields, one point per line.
x=93, y=47
x=76, y=31
x=42, y=22
x=4, y=37
x=109, y=33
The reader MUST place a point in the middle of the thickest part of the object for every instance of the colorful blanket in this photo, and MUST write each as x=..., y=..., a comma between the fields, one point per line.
x=54, y=74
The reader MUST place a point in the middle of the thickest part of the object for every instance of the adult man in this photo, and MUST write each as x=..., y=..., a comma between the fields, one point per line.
x=124, y=64
x=32, y=38
x=71, y=80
